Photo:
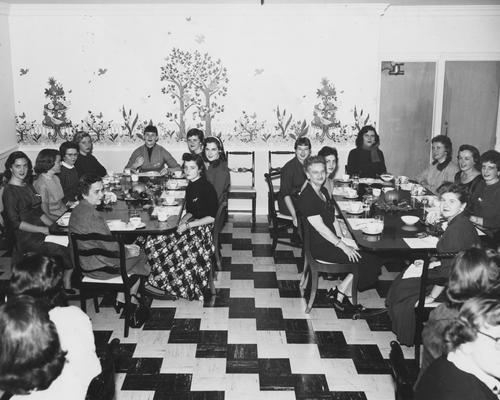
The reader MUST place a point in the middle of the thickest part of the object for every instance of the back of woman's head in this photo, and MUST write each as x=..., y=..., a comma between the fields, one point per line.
x=475, y=314
x=39, y=276
x=30, y=350
x=45, y=160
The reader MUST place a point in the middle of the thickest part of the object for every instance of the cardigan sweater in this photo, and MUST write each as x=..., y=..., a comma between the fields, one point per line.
x=159, y=157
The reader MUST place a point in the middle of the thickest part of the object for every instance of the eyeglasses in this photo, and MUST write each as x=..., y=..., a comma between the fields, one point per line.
x=495, y=339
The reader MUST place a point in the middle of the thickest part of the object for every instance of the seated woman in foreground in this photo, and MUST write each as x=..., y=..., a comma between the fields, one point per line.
x=326, y=243
x=182, y=261
x=473, y=273
x=366, y=160
x=442, y=168
x=86, y=219
x=485, y=200
x=217, y=170
x=23, y=208
x=460, y=234
x=40, y=276
x=471, y=370
x=48, y=185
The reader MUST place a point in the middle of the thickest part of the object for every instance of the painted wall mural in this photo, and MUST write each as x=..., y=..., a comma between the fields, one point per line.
x=216, y=72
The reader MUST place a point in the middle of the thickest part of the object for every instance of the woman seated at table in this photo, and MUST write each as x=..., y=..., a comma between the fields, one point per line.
x=86, y=163
x=48, y=185
x=217, y=170
x=181, y=262
x=473, y=273
x=25, y=216
x=86, y=219
x=331, y=160
x=40, y=276
x=366, y=160
x=460, y=234
x=469, y=164
x=32, y=360
x=69, y=175
x=485, y=200
x=471, y=370
x=151, y=156
x=326, y=244
x=442, y=169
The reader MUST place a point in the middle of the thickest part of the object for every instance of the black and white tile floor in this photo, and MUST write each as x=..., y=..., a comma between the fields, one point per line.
x=253, y=340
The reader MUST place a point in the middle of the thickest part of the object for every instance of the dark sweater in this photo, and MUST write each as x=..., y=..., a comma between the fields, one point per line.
x=69, y=183
x=444, y=381
x=201, y=199
x=485, y=203
x=360, y=162
x=89, y=165
x=292, y=179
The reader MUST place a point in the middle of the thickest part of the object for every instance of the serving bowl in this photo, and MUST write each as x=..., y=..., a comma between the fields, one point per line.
x=409, y=219
x=386, y=177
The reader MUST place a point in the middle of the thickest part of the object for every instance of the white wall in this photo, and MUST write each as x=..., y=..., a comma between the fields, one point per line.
x=7, y=124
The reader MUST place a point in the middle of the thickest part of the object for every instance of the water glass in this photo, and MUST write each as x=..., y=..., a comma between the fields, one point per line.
x=379, y=220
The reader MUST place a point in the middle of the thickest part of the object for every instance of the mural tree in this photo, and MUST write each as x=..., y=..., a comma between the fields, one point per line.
x=210, y=82
x=54, y=111
x=324, y=117
x=177, y=73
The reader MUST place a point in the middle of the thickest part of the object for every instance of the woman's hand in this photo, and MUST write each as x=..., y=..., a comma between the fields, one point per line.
x=132, y=250
x=138, y=162
x=350, y=252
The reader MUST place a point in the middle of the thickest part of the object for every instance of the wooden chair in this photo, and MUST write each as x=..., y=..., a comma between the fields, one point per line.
x=218, y=224
x=279, y=222
x=276, y=153
x=313, y=267
x=91, y=287
x=403, y=378
x=247, y=192
x=102, y=387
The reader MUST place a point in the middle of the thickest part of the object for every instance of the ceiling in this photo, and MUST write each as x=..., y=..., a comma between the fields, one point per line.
x=392, y=2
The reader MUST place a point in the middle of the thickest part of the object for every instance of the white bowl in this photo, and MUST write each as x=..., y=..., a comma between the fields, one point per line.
x=409, y=219
x=373, y=229
x=386, y=177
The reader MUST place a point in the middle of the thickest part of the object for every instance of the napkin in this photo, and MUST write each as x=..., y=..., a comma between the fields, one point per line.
x=171, y=210
x=60, y=240
x=429, y=242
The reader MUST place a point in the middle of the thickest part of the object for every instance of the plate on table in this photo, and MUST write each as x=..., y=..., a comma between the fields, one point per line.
x=351, y=197
x=355, y=212
x=345, y=181
x=140, y=226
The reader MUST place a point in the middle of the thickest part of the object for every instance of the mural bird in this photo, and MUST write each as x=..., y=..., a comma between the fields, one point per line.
x=101, y=71
x=188, y=19
x=200, y=39
x=258, y=71
x=23, y=71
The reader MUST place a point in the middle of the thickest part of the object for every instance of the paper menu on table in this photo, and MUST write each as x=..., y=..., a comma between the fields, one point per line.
x=57, y=239
x=429, y=242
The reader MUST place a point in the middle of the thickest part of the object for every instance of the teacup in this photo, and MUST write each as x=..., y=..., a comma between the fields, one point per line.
x=345, y=177
x=350, y=192
x=376, y=192
x=135, y=221
x=170, y=200
x=356, y=207
x=178, y=174
x=162, y=214
x=135, y=178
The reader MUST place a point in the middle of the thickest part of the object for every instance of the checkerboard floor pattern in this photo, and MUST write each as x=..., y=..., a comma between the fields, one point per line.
x=252, y=340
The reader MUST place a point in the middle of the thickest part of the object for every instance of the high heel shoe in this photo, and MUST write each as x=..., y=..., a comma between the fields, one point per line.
x=118, y=306
x=345, y=305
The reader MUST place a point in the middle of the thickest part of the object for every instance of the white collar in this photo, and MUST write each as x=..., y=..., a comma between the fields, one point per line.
x=461, y=361
x=67, y=165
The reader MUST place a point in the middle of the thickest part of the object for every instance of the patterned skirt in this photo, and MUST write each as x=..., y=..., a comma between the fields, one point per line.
x=181, y=263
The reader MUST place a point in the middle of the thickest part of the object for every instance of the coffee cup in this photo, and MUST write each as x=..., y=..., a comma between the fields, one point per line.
x=135, y=221
x=345, y=177
x=135, y=178
x=162, y=214
x=376, y=192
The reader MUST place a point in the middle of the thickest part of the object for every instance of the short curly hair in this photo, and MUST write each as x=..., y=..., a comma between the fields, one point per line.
x=39, y=276
x=491, y=156
x=31, y=357
x=314, y=160
x=459, y=189
x=85, y=182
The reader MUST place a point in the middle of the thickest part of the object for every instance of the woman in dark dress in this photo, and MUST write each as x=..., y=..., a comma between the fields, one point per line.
x=25, y=217
x=366, y=160
x=469, y=164
x=86, y=163
x=316, y=205
x=471, y=370
x=460, y=234
x=217, y=170
x=181, y=262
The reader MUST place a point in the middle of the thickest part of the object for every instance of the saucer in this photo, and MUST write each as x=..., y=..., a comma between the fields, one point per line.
x=355, y=212
x=351, y=197
x=370, y=231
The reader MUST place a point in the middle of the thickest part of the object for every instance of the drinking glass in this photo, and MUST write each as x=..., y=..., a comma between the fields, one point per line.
x=379, y=220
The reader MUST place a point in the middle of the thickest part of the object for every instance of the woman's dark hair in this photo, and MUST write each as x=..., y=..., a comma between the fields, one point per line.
x=197, y=159
x=31, y=357
x=314, y=160
x=460, y=190
x=491, y=156
x=475, y=154
x=85, y=182
x=45, y=160
x=195, y=132
x=302, y=141
x=39, y=276
x=473, y=274
x=151, y=128
x=16, y=155
x=362, y=131
x=220, y=147
x=65, y=146
x=474, y=315
x=330, y=151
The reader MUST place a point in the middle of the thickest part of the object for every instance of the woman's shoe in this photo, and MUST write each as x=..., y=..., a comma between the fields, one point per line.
x=333, y=296
x=118, y=306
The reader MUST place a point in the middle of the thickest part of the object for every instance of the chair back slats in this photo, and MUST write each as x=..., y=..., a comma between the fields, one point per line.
x=243, y=169
x=98, y=252
x=271, y=193
x=276, y=153
x=218, y=224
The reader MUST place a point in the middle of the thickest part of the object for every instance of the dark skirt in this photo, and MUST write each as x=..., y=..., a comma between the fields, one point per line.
x=181, y=263
x=35, y=242
x=137, y=265
x=369, y=264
